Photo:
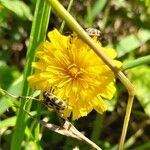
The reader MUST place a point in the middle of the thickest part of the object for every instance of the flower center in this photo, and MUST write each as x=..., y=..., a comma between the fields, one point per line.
x=74, y=71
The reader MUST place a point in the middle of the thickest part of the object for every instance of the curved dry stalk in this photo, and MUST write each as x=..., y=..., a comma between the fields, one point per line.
x=67, y=130
x=83, y=35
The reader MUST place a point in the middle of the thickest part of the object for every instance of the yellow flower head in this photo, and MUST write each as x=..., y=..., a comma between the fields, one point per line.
x=79, y=76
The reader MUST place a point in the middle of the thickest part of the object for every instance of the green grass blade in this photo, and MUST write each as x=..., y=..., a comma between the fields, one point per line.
x=97, y=128
x=19, y=8
x=136, y=62
x=133, y=41
x=7, y=122
x=63, y=22
x=142, y=146
x=95, y=10
x=38, y=32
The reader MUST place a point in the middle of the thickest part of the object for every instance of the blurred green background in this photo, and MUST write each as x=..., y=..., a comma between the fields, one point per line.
x=126, y=26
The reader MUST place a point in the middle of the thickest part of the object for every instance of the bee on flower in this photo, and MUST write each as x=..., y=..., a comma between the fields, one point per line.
x=82, y=79
x=92, y=32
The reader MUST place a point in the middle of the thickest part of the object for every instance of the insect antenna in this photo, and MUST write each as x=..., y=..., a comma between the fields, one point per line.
x=4, y=92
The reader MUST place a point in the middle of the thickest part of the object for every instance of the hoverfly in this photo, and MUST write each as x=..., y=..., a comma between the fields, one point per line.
x=93, y=32
x=53, y=102
x=100, y=36
x=49, y=100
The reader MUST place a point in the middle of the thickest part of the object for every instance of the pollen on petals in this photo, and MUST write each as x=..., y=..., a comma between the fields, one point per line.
x=81, y=78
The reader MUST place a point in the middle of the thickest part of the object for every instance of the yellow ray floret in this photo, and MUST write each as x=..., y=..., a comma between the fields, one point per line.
x=81, y=78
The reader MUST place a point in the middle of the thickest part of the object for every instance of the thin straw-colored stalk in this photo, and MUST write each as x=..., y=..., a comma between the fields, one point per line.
x=38, y=32
x=83, y=35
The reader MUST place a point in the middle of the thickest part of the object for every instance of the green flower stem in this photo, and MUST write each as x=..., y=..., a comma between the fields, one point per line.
x=38, y=32
x=84, y=36
x=137, y=62
x=97, y=127
x=63, y=22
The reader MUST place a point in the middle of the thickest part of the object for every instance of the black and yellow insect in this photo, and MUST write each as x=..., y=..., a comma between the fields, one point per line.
x=94, y=32
x=49, y=100
x=53, y=102
x=100, y=36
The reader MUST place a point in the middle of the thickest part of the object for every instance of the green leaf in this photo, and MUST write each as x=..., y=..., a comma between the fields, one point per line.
x=37, y=35
x=14, y=89
x=2, y=93
x=8, y=122
x=11, y=121
x=141, y=80
x=136, y=62
x=7, y=75
x=18, y=7
x=143, y=146
x=132, y=42
x=112, y=103
x=97, y=8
